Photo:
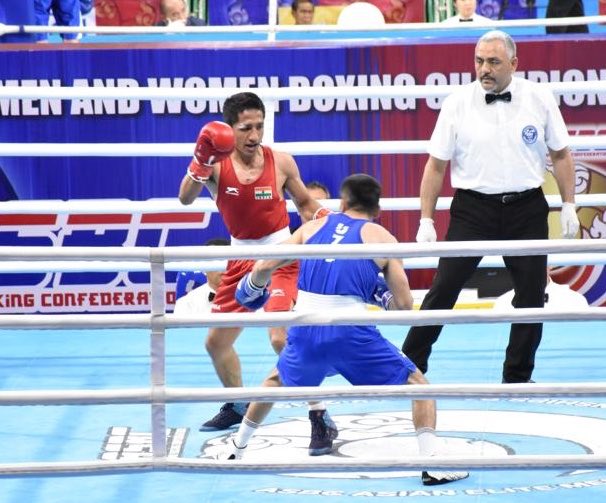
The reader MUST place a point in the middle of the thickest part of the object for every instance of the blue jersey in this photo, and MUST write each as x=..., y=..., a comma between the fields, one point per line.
x=359, y=353
x=356, y=277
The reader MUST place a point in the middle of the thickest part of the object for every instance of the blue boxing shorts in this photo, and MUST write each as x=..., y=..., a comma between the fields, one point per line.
x=359, y=353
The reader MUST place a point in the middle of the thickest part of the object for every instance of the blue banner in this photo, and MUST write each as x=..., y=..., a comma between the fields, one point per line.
x=507, y=9
x=167, y=121
x=237, y=12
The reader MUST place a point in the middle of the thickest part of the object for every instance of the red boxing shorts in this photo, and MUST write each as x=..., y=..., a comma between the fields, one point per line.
x=283, y=288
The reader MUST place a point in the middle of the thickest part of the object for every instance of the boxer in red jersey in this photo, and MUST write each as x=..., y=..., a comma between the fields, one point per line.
x=247, y=181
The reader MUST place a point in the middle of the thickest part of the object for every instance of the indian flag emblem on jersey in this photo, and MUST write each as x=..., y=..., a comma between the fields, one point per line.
x=263, y=193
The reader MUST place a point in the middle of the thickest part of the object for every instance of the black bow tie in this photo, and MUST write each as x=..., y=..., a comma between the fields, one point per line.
x=465, y=20
x=491, y=98
x=211, y=296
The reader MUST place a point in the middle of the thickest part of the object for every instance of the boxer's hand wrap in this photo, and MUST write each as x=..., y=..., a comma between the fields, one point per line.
x=320, y=213
x=382, y=296
x=199, y=172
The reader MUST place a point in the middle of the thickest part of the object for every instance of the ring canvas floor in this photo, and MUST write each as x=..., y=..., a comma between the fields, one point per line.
x=369, y=429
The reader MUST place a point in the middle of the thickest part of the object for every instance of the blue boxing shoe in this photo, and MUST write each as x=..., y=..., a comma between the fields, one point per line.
x=323, y=432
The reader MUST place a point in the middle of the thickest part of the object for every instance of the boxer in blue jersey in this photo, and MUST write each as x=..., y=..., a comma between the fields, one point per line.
x=359, y=353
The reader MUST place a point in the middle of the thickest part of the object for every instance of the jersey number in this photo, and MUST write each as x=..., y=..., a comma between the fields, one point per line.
x=337, y=237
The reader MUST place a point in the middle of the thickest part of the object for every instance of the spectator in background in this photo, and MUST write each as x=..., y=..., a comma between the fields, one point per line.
x=466, y=12
x=198, y=300
x=566, y=8
x=303, y=11
x=557, y=297
x=317, y=190
x=175, y=13
x=65, y=12
x=87, y=13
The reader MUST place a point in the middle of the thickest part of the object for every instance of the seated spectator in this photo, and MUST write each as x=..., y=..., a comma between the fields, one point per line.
x=87, y=13
x=557, y=297
x=195, y=290
x=361, y=15
x=65, y=12
x=466, y=12
x=303, y=11
x=176, y=13
x=566, y=8
x=317, y=190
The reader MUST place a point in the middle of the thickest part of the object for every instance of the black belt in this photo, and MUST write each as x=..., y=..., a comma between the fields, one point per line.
x=504, y=197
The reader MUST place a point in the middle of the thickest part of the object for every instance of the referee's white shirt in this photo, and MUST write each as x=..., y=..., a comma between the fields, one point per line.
x=501, y=147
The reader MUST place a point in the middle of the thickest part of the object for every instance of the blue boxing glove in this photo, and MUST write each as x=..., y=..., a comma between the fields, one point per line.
x=250, y=295
x=382, y=296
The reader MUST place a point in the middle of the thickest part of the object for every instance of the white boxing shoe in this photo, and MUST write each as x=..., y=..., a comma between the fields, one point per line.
x=231, y=451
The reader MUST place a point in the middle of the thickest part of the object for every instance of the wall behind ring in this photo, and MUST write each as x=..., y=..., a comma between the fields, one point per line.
x=199, y=65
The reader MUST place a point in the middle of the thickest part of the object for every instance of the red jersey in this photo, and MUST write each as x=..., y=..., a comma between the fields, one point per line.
x=253, y=210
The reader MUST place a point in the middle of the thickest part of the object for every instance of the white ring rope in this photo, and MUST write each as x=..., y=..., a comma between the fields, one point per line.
x=342, y=251
x=556, y=259
x=285, y=319
x=206, y=204
x=266, y=93
x=295, y=148
x=195, y=258
x=270, y=29
x=174, y=464
x=304, y=393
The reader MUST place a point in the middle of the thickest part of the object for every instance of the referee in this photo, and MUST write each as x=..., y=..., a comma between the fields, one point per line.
x=496, y=133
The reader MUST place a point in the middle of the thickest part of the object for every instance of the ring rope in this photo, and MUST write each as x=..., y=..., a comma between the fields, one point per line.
x=208, y=205
x=291, y=251
x=577, y=143
x=111, y=259
x=173, y=464
x=274, y=28
x=268, y=93
x=305, y=393
x=283, y=319
x=556, y=259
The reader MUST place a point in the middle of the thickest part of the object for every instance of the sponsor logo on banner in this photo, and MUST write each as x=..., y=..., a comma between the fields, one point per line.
x=65, y=292
x=263, y=193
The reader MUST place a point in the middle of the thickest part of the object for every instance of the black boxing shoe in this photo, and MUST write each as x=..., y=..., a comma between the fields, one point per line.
x=227, y=417
x=439, y=478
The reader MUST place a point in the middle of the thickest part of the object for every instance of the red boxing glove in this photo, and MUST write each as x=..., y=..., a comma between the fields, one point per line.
x=321, y=212
x=199, y=172
x=215, y=142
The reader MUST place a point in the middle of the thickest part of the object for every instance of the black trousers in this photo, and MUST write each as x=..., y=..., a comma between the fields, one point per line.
x=475, y=217
x=566, y=8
